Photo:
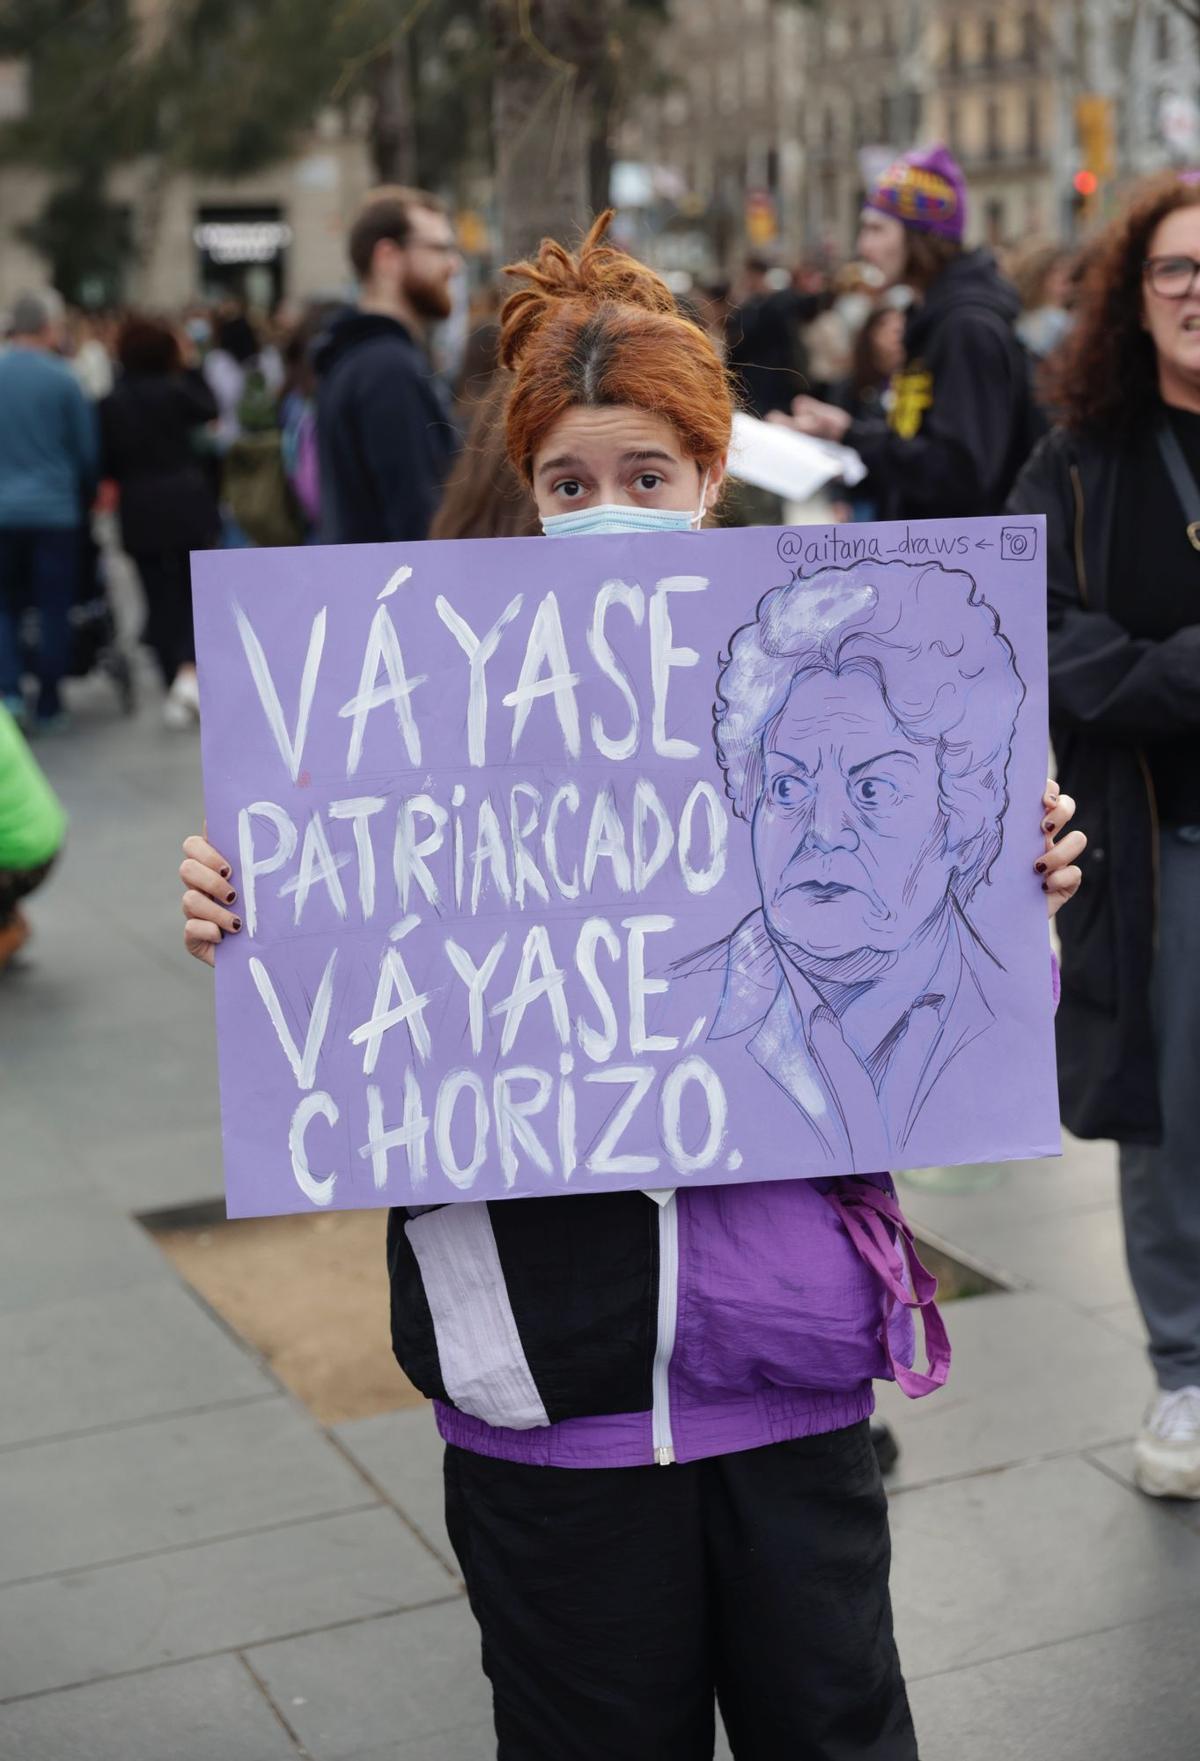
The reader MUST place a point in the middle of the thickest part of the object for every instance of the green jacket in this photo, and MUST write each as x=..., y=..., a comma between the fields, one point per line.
x=32, y=821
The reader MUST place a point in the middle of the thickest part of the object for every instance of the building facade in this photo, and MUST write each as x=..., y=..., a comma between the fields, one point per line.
x=713, y=151
x=772, y=119
x=278, y=233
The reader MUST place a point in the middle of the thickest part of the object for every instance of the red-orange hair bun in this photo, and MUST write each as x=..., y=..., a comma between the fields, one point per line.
x=596, y=327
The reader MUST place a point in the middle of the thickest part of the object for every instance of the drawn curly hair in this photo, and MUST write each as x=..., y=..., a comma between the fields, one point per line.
x=934, y=647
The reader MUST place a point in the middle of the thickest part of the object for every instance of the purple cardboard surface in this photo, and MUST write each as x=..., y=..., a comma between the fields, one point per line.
x=627, y=861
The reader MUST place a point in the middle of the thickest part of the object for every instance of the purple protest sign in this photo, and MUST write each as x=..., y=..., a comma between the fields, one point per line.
x=627, y=861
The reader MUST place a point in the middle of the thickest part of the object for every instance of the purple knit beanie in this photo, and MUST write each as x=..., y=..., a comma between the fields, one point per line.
x=924, y=189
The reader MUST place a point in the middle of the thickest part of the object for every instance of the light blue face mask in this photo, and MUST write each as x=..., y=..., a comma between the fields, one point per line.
x=593, y=522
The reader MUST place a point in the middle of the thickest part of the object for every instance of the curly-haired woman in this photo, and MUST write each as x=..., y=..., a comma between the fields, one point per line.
x=575, y=1348
x=1120, y=486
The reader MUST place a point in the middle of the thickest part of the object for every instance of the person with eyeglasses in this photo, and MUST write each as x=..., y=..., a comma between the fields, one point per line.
x=1119, y=483
x=385, y=434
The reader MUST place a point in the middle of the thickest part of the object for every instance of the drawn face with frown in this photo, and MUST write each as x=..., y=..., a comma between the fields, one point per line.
x=849, y=839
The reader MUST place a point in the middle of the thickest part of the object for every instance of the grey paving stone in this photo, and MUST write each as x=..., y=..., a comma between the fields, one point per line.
x=83, y=1625
x=208, y=1711
x=1005, y=1562
x=1113, y=1695
x=35, y=1157
x=406, y=1677
x=1118, y=1461
x=172, y=1482
x=1125, y=1319
x=402, y=1452
x=51, y=1250
x=159, y=1168
x=139, y=1076
x=1030, y=1376
x=127, y=1354
x=476, y=1742
x=1078, y=1256
x=1083, y=1178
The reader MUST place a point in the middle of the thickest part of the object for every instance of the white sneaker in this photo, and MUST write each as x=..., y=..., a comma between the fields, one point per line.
x=181, y=708
x=1166, y=1456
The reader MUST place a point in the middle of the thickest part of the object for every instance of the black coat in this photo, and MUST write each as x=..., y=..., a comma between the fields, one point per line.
x=766, y=353
x=1111, y=696
x=148, y=431
x=963, y=419
x=384, y=434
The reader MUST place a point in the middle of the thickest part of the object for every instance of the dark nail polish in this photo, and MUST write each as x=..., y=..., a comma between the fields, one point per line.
x=237, y=923
x=230, y=896
x=1047, y=825
x=1041, y=867
x=226, y=872
x=1045, y=886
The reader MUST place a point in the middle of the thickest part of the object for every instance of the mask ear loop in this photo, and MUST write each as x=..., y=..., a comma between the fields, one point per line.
x=698, y=517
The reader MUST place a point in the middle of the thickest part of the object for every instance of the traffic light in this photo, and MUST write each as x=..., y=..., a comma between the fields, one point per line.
x=1094, y=127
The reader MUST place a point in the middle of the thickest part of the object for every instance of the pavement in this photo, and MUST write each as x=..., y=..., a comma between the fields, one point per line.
x=193, y=1569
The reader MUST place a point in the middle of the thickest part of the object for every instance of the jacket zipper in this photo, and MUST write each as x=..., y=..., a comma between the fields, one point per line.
x=668, y=1315
x=1143, y=763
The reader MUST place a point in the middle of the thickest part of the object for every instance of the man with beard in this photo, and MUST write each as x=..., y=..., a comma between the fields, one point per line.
x=384, y=433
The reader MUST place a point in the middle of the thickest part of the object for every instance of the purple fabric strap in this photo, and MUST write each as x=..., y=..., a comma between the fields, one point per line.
x=879, y=1230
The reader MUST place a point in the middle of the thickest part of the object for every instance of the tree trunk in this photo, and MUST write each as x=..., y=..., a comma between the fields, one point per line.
x=393, y=136
x=549, y=58
x=605, y=114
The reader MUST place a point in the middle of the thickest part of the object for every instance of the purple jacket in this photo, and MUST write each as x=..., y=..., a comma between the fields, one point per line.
x=774, y=1306
x=621, y=1329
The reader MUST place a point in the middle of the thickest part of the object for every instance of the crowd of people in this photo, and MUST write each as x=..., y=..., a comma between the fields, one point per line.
x=1068, y=387
x=218, y=426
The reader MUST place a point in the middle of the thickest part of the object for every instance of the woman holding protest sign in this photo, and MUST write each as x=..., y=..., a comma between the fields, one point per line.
x=731, y=1333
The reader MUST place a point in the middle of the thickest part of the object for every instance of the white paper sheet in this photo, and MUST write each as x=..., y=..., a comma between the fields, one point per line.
x=793, y=465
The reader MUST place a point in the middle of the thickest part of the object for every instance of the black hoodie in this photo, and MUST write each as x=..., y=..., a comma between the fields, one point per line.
x=384, y=432
x=963, y=420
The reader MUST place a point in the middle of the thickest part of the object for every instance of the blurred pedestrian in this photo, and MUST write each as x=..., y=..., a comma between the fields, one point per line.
x=963, y=419
x=229, y=366
x=866, y=396
x=32, y=825
x=764, y=346
x=1119, y=485
x=148, y=425
x=91, y=359
x=385, y=435
x=48, y=457
x=1042, y=276
x=298, y=418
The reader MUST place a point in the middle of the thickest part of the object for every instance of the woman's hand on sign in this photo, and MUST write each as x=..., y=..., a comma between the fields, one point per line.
x=208, y=894
x=1058, y=864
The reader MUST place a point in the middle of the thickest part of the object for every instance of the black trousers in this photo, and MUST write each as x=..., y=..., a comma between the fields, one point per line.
x=615, y=1603
x=167, y=584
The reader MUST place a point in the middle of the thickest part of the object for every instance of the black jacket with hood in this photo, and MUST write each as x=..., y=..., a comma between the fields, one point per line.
x=1111, y=696
x=963, y=418
x=384, y=435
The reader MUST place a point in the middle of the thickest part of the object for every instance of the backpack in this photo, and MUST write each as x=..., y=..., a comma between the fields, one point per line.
x=256, y=489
